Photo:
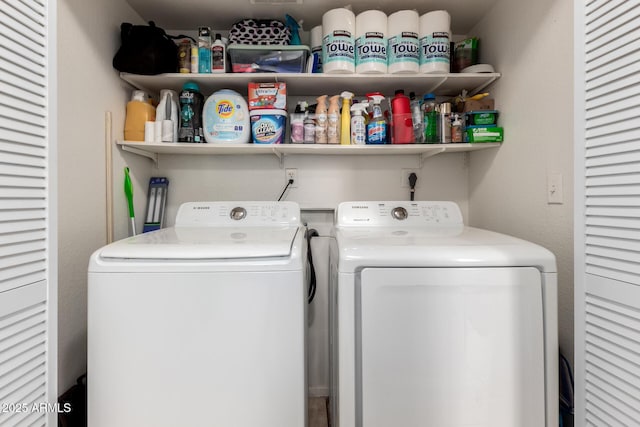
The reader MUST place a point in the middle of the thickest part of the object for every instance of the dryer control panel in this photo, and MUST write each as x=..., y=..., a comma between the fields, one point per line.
x=400, y=213
x=238, y=214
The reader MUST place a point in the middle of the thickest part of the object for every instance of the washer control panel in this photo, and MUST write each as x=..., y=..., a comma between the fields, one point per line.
x=238, y=214
x=401, y=213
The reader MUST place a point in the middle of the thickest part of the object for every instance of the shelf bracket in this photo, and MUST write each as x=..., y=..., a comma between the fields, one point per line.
x=139, y=152
x=279, y=155
x=438, y=84
x=428, y=154
x=482, y=86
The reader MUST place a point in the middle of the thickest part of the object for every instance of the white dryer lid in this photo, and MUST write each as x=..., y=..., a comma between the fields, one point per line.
x=191, y=243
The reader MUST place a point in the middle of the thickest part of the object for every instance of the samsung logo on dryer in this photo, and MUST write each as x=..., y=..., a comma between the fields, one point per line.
x=201, y=208
x=359, y=207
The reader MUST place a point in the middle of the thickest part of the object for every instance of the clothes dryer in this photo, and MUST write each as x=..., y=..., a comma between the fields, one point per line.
x=201, y=324
x=437, y=324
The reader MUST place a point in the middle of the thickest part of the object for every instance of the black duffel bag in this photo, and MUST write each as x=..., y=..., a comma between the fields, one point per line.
x=146, y=49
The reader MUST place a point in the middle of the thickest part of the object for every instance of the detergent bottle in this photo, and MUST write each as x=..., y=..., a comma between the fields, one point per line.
x=345, y=118
x=139, y=111
x=167, y=113
x=333, y=120
x=321, y=120
x=377, y=126
x=358, y=126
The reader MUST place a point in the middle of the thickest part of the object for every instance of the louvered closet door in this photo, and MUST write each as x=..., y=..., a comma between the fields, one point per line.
x=607, y=234
x=27, y=336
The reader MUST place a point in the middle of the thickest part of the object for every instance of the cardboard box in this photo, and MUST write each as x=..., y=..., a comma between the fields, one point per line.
x=471, y=105
x=267, y=95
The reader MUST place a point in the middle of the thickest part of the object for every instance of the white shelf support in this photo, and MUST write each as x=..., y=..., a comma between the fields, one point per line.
x=153, y=156
x=423, y=156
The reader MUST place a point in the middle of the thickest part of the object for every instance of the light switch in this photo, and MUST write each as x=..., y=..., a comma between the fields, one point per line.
x=554, y=189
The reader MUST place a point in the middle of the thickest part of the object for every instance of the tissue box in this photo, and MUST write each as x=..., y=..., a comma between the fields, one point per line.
x=268, y=59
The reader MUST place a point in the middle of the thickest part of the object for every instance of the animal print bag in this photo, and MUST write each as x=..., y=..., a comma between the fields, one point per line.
x=260, y=32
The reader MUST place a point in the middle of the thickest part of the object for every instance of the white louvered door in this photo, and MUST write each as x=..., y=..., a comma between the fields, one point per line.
x=607, y=233
x=27, y=214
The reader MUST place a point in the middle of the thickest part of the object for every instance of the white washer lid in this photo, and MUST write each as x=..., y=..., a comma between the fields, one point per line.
x=190, y=243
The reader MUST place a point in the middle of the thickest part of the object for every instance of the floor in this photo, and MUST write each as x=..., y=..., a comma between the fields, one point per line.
x=318, y=412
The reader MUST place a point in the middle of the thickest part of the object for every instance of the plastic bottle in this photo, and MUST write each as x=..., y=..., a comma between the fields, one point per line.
x=444, y=123
x=345, y=118
x=167, y=113
x=430, y=117
x=358, y=126
x=184, y=56
x=218, y=56
x=191, y=103
x=456, y=127
x=321, y=120
x=377, y=126
x=333, y=120
x=309, y=129
x=139, y=111
x=402, y=128
x=417, y=118
x=195, y=59
x=204, y=50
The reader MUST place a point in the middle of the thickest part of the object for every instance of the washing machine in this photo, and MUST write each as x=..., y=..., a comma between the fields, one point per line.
x=201, y=324
x=437, y=324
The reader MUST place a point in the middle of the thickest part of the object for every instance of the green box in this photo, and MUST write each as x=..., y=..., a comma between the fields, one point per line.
x=488, y=134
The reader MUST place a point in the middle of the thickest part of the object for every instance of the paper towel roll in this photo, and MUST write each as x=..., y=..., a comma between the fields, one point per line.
x=371, y=42
x=403, y=45
x=167, y=131
x=316, y=48
x=316, y=37
x=338, y=47
x=157, y=131
x=435, y=34
x=149, y=131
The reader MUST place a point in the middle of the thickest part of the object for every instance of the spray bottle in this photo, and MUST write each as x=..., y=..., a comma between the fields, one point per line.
x=321, y=120
x=377, y=126
x=358, y=126
x=345, y=118
x=333, y=120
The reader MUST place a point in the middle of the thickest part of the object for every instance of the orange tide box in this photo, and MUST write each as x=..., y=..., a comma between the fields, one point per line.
x=267, y=95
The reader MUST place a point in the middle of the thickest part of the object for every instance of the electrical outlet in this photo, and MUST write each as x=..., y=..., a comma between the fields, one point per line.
x=291, y=173
x=405, y=177
x=554, y=189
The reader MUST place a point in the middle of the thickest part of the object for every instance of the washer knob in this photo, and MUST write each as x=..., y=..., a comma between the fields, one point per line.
x=238, y=213
x=399, y=213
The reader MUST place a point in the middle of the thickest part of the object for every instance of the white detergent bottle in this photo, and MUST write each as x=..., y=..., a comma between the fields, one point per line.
x=358, y=127
x=225, y=118
x=167, y=114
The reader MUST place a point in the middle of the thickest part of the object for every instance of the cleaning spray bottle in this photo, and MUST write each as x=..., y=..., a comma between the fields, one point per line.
x=345, y=118
x=377, y=126
x=321, y=120
x=333, y=120
x=358, y=126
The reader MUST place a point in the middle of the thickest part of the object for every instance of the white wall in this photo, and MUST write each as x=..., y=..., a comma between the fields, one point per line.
x=88, y=35
x=530, y=43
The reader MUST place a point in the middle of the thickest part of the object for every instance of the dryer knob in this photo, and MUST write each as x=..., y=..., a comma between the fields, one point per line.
x=238, y=213
x=399, y=213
